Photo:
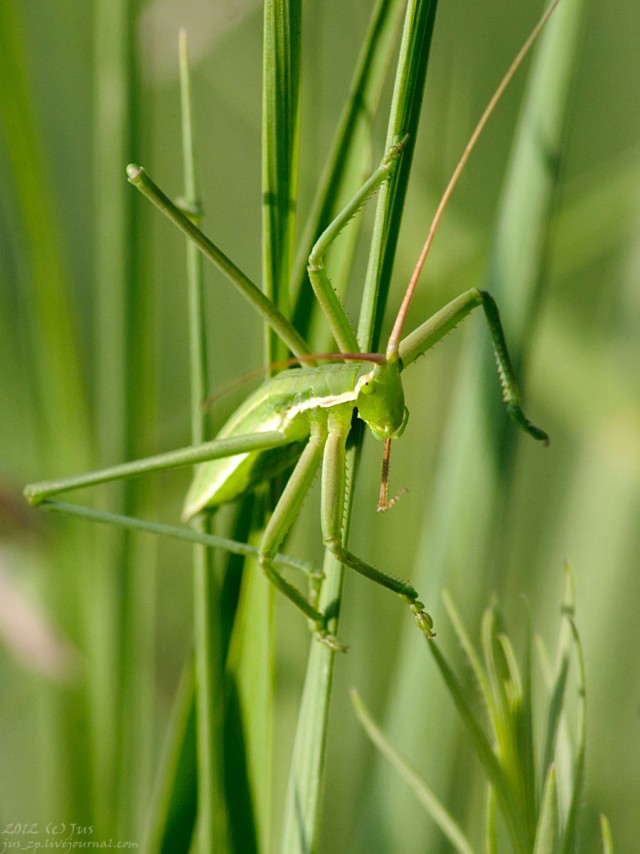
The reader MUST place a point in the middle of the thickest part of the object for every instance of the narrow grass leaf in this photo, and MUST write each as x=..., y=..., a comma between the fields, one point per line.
x=469, y=650
x=607, y=836
x=422, y=791
x=280, y=142
x=569, y=841
x=208, y=645
x=473, y=726
x=348, y=158
x=124, y=396
x=546, y=840
x=174, y=807
x=404, y=116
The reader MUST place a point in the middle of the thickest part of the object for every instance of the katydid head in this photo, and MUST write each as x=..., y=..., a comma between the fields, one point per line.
x=381, y=406
x=380, y=400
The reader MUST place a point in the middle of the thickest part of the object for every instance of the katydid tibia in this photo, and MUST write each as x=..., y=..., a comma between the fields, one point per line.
x=306, y=412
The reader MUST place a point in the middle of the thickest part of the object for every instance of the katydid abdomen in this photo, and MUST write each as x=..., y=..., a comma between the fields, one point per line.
x=287, y=403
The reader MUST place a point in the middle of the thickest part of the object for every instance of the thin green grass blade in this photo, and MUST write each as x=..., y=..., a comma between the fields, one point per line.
x=517, y=753
x=280, y=142
x=125, y=413
x=472, y=656
x=404, y=116
x=441, y=816
x=208, y=646
x=174, y=807
x=570, y=830
x=532, y=174
x=474, y=728
x=607, y=836
x=547, y=834
x=54, y=346
x=348, y=160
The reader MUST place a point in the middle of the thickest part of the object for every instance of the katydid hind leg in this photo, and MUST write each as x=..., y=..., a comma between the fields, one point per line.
x=332, y=512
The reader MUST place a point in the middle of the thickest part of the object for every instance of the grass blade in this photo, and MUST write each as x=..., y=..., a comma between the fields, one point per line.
x=209, y=653
x=547, y=830
x=305, y=781
x=348, y=160
x=280, y=138
x=422, y=791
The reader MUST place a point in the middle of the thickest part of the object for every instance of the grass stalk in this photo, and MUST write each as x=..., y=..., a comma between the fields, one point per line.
x=306, y=779
x=212, y=831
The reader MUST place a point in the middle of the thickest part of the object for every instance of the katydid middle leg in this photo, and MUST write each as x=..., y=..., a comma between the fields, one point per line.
x=332, y=514
x=284, y=514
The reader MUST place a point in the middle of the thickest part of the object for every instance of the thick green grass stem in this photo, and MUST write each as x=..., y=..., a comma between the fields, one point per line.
x=307, y=772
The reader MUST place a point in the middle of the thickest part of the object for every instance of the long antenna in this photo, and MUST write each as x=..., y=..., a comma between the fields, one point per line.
x=396, y=333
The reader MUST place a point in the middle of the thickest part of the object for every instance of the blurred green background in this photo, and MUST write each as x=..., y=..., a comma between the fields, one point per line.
x=62, y=184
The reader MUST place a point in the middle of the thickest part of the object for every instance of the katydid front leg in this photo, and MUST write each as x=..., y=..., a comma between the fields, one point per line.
x=331, y=306
x=332, y=514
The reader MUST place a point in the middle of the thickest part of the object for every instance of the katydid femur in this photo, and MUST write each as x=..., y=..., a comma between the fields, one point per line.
x=311, y=407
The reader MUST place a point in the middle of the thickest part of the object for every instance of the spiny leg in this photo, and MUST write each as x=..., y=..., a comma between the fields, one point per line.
x=281, y=520
x=322, y=287
x=431, y=331
x=332, y=512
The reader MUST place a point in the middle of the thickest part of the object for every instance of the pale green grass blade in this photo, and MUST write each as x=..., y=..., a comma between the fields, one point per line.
x=505, y=797
x=513, y=745
x=607, y=836
x=174, y=807
x=546, y=840
x=469, y=650
x=570, y=835
x=46, y=427
x=441, y=816
x=531, y=177
x=55, y=359
x=125, y=407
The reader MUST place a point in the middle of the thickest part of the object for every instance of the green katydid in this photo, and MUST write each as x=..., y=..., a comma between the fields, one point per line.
x=307, y=411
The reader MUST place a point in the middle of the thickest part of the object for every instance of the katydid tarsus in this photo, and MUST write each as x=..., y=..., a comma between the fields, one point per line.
x=311, y=407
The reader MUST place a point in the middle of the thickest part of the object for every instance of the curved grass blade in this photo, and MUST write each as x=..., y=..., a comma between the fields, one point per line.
x=436, y=809
x=546, y=840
